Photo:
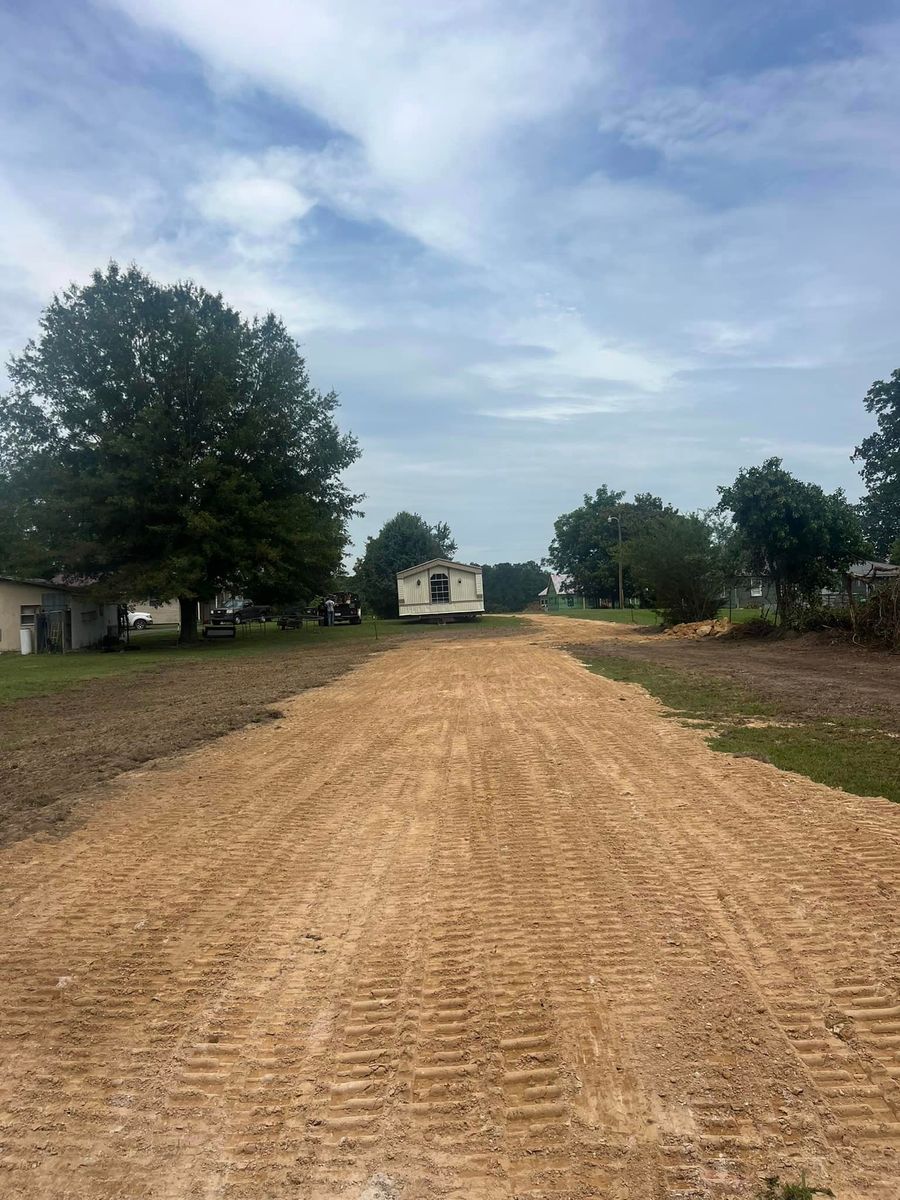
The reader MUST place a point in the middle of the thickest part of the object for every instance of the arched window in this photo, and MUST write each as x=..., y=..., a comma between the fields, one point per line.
x=440, y=588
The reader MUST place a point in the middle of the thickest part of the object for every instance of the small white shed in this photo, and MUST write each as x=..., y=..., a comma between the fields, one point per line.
x=441, y=588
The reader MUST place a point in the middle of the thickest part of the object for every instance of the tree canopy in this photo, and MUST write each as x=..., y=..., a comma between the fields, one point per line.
x=678, y=560
x=585, y=545
x=158, y=444
x=879, y=454
x=509, y=587
x=794, y=532
x=403, y=541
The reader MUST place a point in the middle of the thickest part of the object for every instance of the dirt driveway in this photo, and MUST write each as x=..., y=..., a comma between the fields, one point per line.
x=470, y=922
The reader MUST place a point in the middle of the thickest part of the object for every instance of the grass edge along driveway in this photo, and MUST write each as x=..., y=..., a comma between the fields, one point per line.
x=852, y=754
x=24, y=675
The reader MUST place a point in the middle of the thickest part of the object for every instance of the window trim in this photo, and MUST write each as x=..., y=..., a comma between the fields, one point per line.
x=444, y=586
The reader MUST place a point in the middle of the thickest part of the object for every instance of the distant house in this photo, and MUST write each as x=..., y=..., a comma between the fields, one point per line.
x=752, y=591
x=860, y=580
x=55, y=616
x=560, y=593
x=440, y=588
x=164, y=612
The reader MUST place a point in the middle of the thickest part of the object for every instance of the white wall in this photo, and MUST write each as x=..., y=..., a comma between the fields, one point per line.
x=90, y=621
x=12, y=597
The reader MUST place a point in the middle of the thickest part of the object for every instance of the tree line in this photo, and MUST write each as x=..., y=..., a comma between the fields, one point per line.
x=767, y=524
x=155, y=443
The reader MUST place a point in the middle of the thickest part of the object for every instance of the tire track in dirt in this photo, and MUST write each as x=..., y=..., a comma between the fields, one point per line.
x=437, y=935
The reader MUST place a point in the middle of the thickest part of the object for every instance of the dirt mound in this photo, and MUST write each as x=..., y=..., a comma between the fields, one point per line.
x=700, y=629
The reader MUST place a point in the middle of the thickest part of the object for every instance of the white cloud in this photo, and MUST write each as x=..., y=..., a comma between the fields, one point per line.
x=422, y=193
x=434, y=96
x=258, y=198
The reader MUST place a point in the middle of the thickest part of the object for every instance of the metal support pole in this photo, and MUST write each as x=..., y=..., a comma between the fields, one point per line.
x=618, y=522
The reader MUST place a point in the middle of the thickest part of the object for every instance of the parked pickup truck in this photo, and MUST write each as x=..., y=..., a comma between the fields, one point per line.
x=238, y=612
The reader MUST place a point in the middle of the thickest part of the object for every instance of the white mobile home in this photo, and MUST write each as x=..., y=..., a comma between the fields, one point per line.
x=441, y=588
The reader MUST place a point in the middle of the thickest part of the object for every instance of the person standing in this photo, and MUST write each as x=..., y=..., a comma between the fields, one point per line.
x=329, y=611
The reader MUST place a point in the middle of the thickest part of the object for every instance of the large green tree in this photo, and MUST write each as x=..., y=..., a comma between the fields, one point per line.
x=585, y=545
x=509, y=587
x=157, y=444
x=794, y=532
x=879, y=454
x=681, y=563
x=403, y=541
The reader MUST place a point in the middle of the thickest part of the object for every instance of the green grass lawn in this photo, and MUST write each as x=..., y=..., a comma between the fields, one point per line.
x=39, y=674
x=855, y=756
x=850, y=754
x=645, y=616
x=688, y=695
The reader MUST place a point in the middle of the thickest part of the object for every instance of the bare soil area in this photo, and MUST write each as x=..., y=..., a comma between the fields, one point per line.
x=55, y=748
x=471, y=922
x=810, y=677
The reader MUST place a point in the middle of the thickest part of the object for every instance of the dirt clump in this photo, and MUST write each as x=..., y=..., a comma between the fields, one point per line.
x=700, y=629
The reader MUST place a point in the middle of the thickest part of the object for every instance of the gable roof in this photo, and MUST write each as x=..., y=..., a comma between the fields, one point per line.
x=562, y=585
x=439, y=562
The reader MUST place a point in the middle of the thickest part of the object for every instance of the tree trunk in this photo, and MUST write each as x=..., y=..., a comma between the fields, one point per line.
x=188, y=618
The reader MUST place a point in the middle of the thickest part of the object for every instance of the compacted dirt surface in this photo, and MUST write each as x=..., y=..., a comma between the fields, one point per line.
x=469, y=922
x=55, y=748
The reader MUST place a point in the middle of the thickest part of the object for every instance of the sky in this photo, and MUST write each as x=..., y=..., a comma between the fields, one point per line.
x=535, y=247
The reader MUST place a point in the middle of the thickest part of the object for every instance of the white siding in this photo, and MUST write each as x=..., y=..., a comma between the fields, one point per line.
x=12, y=597
x=414, y=592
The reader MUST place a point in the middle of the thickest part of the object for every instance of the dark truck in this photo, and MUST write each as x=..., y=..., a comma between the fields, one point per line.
x=237, y=612
x=347, y=609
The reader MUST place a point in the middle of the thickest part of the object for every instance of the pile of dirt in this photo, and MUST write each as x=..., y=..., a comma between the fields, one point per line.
x=700, y=629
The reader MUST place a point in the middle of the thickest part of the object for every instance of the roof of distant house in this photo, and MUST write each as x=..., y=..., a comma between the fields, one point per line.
x=439, y=562
x=561, y=585
x=21, y=579
x=59, y=583
x=868, y=570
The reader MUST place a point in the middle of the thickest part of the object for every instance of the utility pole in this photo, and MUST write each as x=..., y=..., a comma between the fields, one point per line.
x=621, y=584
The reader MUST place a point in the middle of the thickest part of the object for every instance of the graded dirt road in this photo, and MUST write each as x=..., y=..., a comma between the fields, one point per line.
x=470, y=922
